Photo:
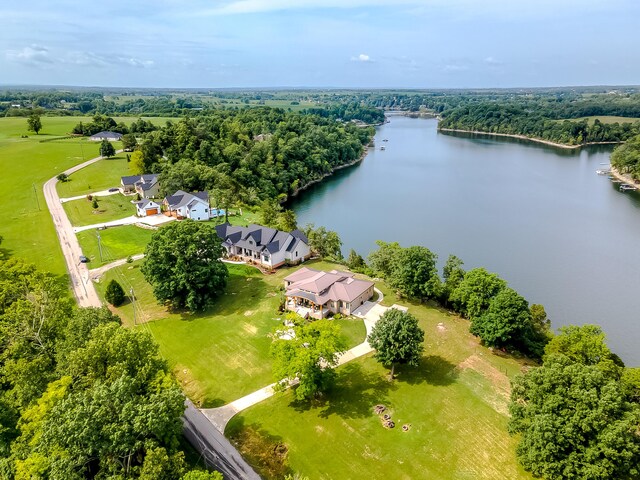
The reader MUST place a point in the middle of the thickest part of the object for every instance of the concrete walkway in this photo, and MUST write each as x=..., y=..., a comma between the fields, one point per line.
x=370, y=312
x=103, y=193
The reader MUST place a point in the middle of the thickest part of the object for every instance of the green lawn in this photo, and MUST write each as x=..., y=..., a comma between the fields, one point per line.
x=455, y=403
x=110, y=207
x=117, y=243
x=605, y=119
x=101, y=175
x=26, y=164
x=222, y=354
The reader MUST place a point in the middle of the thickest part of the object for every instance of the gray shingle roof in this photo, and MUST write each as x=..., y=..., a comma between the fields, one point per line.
x=264, y=238
x=182, y=198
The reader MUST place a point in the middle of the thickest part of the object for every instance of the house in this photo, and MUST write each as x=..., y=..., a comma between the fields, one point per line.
x=263, y=245
x=188, y=205
x=111, y=136
x=147, y=186
x=315, y=293
x=147, y=207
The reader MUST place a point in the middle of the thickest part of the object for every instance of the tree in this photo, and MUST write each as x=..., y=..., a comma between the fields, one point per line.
x=414, y=273
x=202, y=475
x=323, y=242
x=129, y=142
x=473, y=295
x=309, y=358
x=114, y=294
x=136, y=165
x=182, y=264
x=94, y=203
x=453, y=274
x=106, y=149
x=269, y=213
x=62, y=177
x=397, y=338
x=575, y=421
x=384, y=260
x=586, y=345
x=287, y=221
x=355, y=262
x=504, y=321
x=34, y=124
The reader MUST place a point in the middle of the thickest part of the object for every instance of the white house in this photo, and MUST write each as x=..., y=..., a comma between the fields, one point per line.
x=188, y=205
x=146, y=208
x=263, y=245
x=111, y=136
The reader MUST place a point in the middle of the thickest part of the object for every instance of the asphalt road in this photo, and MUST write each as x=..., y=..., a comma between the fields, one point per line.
x=81, y=284
x=216, y=450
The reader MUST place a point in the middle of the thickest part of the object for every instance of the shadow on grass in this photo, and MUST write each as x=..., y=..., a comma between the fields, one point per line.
x=267, y=453
x=354, y=394
x=433, y=369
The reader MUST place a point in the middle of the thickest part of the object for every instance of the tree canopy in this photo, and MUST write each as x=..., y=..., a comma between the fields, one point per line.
x=397, y=338
x=182, y=264
x=473, y=294
x=107, y=149
x=34, y=124
x=323, y=242
x=308, y=357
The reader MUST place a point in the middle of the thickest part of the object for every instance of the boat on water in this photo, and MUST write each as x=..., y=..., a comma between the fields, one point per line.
x=385, y=140
x=382, y=148
x=603, y=172
x=625, y=187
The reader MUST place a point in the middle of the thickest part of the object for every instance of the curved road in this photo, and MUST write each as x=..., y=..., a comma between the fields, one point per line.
x=212, y=444
x=81, y=284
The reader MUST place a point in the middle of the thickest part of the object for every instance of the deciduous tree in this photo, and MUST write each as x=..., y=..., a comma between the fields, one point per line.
x=34, y=124
x=182, y=264
x=107, y=150
x=397, y=338
x=504, y=321
x=473, y=295
x=325, y=243
x=308, y=357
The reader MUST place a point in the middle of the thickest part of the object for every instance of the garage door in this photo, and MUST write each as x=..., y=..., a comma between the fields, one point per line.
x=152, y=211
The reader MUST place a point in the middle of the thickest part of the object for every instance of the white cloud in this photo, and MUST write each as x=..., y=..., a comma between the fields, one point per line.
x=134, y=62
x=35, y=55
x=455, y=67
x=363, y=57
x=87, y=59
x=492, y=62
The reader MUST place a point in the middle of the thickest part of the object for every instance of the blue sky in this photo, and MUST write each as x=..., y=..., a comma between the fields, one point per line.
x=321, y=43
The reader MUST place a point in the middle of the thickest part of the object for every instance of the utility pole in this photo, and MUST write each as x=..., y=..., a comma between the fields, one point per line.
x=82, y=150
x=133, y=304
x=36, y=194
x=99, y=244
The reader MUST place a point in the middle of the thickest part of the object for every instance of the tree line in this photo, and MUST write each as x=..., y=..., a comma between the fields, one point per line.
x=626, y=158
x=80, y=396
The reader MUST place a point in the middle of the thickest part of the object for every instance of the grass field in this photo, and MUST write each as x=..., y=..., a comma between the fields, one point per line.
x=222, y=354
x=110, y=207
x=455, y=403
x=117, y=243
x=101, y=175
x=26, y=164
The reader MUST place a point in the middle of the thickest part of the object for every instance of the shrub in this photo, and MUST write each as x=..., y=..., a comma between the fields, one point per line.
x=114, y=294
x=63, y=177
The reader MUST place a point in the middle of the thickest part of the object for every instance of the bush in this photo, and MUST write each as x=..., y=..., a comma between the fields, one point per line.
x=63, y=177
x=114, y=294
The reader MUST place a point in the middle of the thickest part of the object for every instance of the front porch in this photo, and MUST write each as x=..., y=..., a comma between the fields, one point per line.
x=306, y=308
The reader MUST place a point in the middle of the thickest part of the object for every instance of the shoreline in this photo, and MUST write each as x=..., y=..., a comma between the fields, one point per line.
x=524, y=137
x=364, y=153
x=624, y=178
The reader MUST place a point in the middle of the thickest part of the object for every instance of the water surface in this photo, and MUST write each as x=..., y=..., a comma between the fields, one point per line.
x=538, y=216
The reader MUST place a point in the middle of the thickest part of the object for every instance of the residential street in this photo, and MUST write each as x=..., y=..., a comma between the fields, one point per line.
x=83, y=288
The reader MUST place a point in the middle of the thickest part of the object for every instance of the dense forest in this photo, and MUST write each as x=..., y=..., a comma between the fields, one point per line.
x=626, y=158
x=250, y=155
x=80, y=396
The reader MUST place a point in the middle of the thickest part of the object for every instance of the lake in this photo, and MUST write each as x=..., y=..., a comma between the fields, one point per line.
x=538, y=216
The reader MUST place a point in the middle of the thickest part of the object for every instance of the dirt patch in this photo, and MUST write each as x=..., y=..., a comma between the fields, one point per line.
x=248, y=313
x=497, y=378
x=268, y=453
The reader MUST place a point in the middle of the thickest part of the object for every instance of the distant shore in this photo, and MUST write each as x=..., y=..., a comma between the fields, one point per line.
x=524, y=137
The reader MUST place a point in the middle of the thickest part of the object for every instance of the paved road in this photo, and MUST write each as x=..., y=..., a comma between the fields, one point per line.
x=214, y=447
x=82, y=286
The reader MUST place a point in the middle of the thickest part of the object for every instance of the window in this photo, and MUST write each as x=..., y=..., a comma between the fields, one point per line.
x=206, y=210
x=296, y=253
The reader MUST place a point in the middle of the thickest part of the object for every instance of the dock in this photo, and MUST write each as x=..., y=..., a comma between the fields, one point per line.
x=625, y=187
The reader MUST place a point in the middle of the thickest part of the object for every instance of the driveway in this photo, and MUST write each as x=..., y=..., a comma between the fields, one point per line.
x=103, y=193
x=152, y=221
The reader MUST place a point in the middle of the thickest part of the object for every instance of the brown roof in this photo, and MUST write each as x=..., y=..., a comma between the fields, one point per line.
x=324, y=286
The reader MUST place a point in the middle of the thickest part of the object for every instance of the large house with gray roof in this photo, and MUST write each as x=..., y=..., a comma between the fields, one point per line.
x=147, y=186
x=263, y=245
x=316, y=294
x=184, y=205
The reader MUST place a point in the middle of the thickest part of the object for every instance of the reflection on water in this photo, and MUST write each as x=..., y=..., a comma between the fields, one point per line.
x=537, y=215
